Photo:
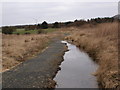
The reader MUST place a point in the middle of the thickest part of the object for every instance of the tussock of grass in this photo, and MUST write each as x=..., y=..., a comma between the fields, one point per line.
x=101, y=43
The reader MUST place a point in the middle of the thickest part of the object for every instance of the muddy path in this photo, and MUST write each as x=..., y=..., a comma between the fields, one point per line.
x=37, y=72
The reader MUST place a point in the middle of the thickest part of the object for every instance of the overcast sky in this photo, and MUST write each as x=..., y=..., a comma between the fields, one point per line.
x=26, y=12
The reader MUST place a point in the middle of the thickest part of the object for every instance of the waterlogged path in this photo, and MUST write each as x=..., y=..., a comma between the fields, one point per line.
x=76, y=70
x=37, y=72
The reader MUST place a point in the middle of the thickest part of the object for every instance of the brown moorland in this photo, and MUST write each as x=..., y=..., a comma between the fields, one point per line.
x=17, y=48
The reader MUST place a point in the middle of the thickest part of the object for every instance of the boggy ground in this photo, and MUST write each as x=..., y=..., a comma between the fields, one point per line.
x=101, y=42
x=37, y=72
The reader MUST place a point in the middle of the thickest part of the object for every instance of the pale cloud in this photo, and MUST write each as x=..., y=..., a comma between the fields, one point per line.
x=24, y=12
x=67, y=1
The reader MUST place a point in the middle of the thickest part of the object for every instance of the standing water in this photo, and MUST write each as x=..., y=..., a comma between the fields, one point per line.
x=76, y=70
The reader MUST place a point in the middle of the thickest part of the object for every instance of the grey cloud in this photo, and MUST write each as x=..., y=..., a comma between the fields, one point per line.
x=22, y=13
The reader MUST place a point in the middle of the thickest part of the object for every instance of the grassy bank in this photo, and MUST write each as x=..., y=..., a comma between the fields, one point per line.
x=101, y=43
x=17, y=48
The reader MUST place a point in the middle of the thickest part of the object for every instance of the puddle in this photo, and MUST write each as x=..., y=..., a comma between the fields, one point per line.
x=76, y=70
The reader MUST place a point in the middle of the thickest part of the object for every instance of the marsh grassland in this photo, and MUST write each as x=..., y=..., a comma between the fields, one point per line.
x=101, y=43
x=17, y=48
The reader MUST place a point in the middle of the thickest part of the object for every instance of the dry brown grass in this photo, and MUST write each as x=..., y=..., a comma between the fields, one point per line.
x=17, y=48
x=101, y=42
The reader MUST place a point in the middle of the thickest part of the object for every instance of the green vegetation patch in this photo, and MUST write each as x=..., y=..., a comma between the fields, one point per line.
x=50, y=30
x=23, y=31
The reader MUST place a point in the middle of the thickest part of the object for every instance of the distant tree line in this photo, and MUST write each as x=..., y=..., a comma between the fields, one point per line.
x=8, y=30
x=45, y=25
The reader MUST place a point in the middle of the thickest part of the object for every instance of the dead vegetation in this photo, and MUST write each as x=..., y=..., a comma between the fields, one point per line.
x=101, y=42
x=17, y=48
